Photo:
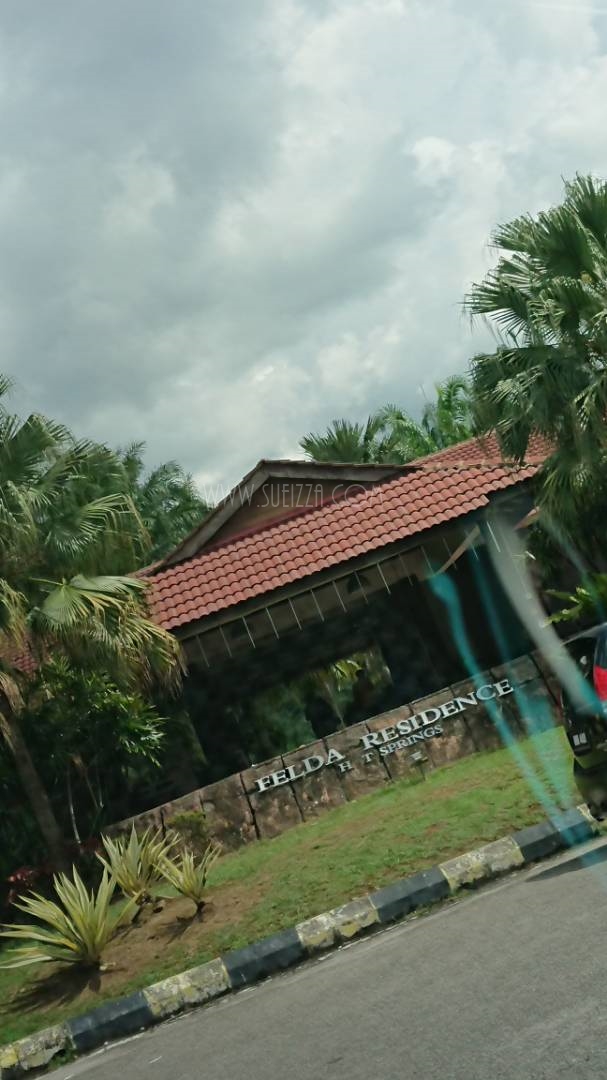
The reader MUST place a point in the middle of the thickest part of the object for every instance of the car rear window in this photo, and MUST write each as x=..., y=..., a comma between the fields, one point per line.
x=582, y=652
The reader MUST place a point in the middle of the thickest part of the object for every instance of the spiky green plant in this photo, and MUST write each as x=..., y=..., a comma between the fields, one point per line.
x=136, y=863
x=74, y=931
x=188, y=874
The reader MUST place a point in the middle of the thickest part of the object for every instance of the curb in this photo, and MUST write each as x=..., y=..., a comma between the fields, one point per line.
x=276, y=953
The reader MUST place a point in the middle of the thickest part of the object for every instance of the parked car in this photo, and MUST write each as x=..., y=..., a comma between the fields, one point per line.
x=584, y=712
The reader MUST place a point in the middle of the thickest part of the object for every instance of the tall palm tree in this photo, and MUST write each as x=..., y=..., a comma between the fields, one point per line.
x=349, y=442
x=166, y=498
x=445, y=421
x=392, y=436
x=449, y=418
x=546, y=300
x=59, y=591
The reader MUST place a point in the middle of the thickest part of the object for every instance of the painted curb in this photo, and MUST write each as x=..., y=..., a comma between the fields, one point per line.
x=398, y=900
x=111, y=1021
x=243, y=967
x=265, y=957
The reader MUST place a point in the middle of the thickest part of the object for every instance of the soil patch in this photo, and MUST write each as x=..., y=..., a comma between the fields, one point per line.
x=172, y=936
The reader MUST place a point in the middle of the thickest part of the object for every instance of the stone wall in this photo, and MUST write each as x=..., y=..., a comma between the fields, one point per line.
x=266, y=799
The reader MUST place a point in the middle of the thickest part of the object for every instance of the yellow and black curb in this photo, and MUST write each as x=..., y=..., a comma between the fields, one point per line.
x=243, y=967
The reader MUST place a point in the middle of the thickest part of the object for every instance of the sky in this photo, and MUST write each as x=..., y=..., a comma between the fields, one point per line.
x=224, y=223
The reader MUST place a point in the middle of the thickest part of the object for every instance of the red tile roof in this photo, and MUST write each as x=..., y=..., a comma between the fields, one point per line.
x=436, y=490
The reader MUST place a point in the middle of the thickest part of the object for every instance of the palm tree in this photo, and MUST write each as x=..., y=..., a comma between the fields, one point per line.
x=59, y=592
x=392, y=436
x=546, y=300
x=449, y=419
x=445, y=421
x=167, y=500
x=349, y=442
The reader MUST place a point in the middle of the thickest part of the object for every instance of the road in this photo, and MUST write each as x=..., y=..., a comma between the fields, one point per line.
x=509, y=983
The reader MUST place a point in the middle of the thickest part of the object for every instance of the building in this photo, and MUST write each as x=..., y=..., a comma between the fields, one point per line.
x=306, y=564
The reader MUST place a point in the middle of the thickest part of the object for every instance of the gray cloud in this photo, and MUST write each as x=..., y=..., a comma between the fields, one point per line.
x=224, y=224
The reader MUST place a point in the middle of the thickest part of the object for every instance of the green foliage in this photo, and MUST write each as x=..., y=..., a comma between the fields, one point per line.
x=392, y=436
x=350, y=442
x=546, y=300
x=587, y=603
x=166, y=498
x=97, y=745
x=188, y=873
x=98, y=720
x=336, y=682
x=65, y=548
x=73, y=931
x=192, y=829
x=136, y=863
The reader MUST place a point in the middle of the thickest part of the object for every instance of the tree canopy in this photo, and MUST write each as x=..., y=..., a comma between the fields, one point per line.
x=62, y=591
x=166, y=498
x=546, y=301
x=392, y=436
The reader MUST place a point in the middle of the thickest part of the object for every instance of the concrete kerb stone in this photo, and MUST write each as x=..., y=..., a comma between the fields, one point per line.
x=563, y=830
x=502, y=856
x=339, y=925
x=9, y=1060
x=193, y=987
x=354, y=918
x=34, y=1052
x=538, y=841
x=575, y=826
x=317, y=933
x=265, y=957
x=280, y=951
x=403, y=897
x=486, y=862
x=112, y=1021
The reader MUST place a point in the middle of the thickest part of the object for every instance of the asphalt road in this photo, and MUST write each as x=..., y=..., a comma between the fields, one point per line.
x=508, y=983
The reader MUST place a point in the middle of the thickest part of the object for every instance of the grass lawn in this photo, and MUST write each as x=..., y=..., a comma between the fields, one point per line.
x=273, y=884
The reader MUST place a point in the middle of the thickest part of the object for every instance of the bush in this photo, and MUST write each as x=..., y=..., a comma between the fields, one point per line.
x=192, y=829
x=188, y=874
x=135, y=863
x=75, y=931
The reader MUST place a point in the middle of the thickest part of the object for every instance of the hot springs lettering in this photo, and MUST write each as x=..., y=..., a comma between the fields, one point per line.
x=405, y=733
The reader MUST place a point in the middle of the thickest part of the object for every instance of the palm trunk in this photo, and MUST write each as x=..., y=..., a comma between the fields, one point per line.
x=33, y=787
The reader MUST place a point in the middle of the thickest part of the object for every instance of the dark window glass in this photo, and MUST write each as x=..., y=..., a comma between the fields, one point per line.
x=600, y=657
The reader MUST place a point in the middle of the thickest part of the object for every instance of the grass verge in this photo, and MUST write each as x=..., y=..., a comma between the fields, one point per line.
x=273, y=884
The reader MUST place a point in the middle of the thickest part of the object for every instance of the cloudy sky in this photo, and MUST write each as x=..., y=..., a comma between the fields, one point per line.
x=225, y=222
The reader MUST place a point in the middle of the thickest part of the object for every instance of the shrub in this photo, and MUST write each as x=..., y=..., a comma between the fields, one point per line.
x=192, y=829
x=135, y=863
x=73, y=931
x=188, y=874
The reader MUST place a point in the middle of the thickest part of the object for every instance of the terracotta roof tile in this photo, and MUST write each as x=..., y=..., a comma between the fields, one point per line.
x=437, y=489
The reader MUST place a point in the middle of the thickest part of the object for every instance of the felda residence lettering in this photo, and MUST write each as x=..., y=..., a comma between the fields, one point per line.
x=404, y=733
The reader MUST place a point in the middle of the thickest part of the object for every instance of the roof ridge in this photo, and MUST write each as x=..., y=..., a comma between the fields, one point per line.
x=265, y=526
x=463, y=464
x=301, y=511
x=487, y=439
